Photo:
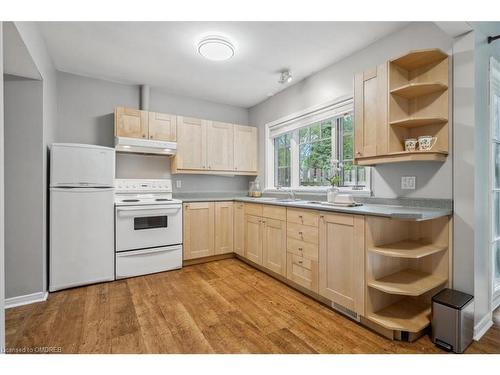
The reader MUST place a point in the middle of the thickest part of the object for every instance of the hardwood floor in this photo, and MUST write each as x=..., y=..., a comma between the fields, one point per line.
x=224, y=306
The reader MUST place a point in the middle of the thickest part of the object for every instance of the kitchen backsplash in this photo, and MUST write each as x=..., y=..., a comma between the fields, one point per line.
x=153, y=166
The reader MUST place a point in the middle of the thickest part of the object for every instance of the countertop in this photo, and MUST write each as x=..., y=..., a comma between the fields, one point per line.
x=391, y=211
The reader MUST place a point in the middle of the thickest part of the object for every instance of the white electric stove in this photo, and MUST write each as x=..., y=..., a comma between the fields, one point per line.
x=148, y=227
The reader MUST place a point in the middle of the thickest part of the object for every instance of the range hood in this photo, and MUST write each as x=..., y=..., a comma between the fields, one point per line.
x=145, y=146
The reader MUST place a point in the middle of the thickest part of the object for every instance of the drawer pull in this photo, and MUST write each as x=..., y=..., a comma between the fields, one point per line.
x=301, y=233
x=301, y=249
x=300, y=261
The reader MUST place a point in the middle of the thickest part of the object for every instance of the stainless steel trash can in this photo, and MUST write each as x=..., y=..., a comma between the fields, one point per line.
x=452, y=320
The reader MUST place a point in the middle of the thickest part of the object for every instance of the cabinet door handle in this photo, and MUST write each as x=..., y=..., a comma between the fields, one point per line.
x=150, y=137
x=144, y=136
x=300, y=233
x=300, y=261
x=301, y=249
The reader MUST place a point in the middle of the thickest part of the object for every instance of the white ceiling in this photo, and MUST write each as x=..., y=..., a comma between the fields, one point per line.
x=164, y=54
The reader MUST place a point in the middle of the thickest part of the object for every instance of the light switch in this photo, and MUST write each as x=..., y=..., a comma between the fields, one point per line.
x=178, y=184
x=408, y=182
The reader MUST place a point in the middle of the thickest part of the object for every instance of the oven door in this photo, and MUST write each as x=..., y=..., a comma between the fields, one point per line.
x=140, y=227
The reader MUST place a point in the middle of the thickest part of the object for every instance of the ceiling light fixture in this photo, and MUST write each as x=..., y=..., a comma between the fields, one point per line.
x=286, y=77
x=216, y=48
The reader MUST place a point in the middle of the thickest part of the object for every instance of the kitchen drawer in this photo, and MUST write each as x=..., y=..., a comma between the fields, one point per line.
x=302, y=248
x=342, y=219
x=303, y=233
x=302, y=271
x=253, y=209
x=274, y=212
x=143, y=262
x=305, y=217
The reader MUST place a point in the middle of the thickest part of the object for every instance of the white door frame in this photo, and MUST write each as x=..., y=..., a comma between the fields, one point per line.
x=2, y=237
x=494, y=90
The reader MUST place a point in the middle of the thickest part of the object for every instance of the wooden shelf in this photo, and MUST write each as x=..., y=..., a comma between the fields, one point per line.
x=408, y=283
x=414, y=90
x=418, y=59
x=414, y=122
x=405, y=315
x=401, y=156
x=407, y=249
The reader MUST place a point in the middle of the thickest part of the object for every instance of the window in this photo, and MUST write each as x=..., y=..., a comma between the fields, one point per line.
x=305, y=148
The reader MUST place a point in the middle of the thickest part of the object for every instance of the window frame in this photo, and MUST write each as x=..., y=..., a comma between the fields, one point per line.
x=299, y=120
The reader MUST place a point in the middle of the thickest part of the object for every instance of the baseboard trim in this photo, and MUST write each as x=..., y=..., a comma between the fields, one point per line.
x=26, y=299
x=482, y=327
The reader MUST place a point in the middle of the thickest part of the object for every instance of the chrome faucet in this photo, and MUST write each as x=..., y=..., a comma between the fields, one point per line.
x=289, y=191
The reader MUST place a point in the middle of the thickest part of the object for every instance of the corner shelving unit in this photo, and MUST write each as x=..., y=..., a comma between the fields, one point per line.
x=418, y=104
x=407, y=262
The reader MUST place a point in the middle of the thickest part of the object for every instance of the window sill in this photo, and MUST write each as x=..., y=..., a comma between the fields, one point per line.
x=320, y=190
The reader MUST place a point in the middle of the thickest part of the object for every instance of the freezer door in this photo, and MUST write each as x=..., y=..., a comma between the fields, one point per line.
x=81, y=165
x=81, y=237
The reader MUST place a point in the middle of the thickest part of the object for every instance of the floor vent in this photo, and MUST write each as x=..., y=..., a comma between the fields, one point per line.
x=344, y=310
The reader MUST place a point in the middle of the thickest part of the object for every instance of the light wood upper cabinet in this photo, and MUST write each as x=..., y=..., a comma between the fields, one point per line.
x=162, y=126
x=253, y=238
x=370, y=112
x=131, y=123
x=341, y=260
x=274, y=245
x=223, y=227
x=239, y=228
x=192, y=145
x=245, y=148
x=220, y=146
x=198, y=230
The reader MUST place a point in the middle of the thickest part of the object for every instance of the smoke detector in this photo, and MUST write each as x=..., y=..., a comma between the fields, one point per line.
x=286, y=77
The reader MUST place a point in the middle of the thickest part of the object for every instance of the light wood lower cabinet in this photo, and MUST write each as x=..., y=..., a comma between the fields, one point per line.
x=303, y=271
x=265, y=236
x=253, y=238
x=199, y=230
x=239, y=228
x=223, y=227
x=341, y=260
x=274, y=245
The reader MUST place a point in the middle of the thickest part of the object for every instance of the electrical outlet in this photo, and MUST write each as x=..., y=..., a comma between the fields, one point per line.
x=408, y=182
x=178, y=184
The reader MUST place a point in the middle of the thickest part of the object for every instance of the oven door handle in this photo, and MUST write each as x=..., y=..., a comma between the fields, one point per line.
x=146, y=211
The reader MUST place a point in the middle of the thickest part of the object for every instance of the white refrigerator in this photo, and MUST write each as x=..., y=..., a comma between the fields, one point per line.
x=81, y=239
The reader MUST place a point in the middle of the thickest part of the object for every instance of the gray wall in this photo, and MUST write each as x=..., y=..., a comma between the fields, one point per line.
x=434, y=180
x=37, y=50
x=2, y=265
x=85, y=115
x=23, y=186
x=463, y=163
